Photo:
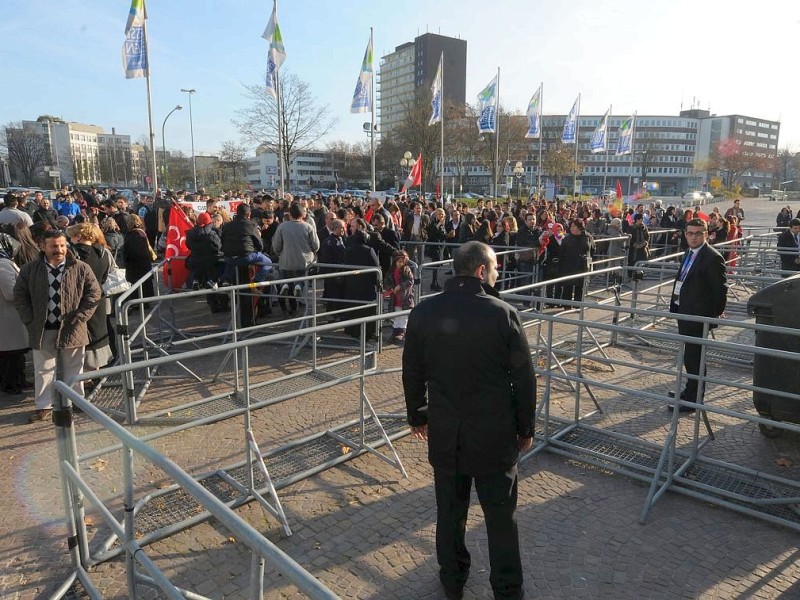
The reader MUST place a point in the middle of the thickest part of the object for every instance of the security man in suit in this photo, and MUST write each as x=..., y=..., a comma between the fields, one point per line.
x=789, y=247
x=470, y=391
x=700, y=289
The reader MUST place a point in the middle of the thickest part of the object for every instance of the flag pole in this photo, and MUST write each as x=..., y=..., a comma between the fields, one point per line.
x=279, y=107
x=606, y=140
x=282, y=167
x=577, y=142
x=150, y=106
x=372, y=109
x=497, y=137
x=633, y=143
x=541, y=142
x=441, y=148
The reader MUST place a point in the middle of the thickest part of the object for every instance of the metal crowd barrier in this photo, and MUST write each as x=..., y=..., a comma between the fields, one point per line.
x=237, y=484
x=155, y=332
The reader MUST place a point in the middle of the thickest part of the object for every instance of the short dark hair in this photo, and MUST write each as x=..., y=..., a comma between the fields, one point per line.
x=53, y=234
x=697, y=222
x=295, y=210
x=794, y=223
x=471, y=255
x=243, y=210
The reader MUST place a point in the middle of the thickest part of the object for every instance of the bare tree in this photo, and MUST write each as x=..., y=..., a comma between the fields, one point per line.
x=304, y=121
x=461, y=140
x=233, y=155
x=27, y=152
x=558, y=161
x=512, y=144
x=349, y=162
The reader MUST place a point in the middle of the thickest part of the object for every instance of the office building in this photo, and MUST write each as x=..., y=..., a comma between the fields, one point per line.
x=413, y=66
x=671, y=154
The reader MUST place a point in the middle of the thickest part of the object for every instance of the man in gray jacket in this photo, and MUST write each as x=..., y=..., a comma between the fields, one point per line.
x=55, y=296
x=295, y=242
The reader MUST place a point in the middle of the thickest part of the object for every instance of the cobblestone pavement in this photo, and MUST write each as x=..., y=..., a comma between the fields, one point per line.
x=368, y=533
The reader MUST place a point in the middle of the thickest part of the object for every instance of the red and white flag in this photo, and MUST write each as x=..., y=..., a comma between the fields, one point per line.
x=175, y=271
x=415, y=176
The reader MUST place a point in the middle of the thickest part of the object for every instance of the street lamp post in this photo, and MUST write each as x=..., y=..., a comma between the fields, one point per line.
x=191, y=131
x=407, y=162
x=519, y=172
x=164, y=141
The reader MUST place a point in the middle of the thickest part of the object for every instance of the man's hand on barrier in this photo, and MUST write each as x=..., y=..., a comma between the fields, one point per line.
x=421, y=432
x=524, y=443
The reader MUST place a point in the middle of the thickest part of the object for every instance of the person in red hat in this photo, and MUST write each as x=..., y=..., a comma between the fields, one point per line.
x=205, y=247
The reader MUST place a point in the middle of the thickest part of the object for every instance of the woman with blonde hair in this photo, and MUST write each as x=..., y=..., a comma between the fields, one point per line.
x=113, y=237
x=88, y=245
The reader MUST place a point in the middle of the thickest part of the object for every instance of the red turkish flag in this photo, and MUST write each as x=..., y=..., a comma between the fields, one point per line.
x=175, y=271
x=415, y=176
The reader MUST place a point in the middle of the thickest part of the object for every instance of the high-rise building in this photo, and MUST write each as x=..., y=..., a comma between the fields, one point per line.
x=412, y=66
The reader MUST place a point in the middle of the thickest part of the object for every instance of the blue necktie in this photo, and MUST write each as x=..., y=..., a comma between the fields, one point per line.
x=685, y=266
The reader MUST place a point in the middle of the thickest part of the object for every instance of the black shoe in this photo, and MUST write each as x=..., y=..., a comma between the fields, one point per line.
x=682, y=409
x=453, y=593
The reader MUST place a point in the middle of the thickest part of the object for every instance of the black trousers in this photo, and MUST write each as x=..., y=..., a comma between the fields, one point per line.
x=497, y=494
x=691, y=359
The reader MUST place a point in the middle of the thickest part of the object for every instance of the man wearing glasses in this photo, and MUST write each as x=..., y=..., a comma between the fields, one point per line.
x=700, y=289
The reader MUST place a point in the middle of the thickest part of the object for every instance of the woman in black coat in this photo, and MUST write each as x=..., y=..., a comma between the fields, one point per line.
x=332, y=252
x=205, y=252
x=576, y=257
x=437, y=235
x=138, y=255
x=362, y=288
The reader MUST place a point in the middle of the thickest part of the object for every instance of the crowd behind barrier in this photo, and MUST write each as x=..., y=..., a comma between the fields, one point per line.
x=574, y=256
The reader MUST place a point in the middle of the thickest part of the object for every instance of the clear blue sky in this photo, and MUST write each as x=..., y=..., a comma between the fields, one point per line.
x=63, y=57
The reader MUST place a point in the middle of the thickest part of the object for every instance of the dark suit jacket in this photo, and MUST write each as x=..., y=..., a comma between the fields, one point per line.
x=789, y=251
x=468, y=375
x=408, y=224
x=704, y=291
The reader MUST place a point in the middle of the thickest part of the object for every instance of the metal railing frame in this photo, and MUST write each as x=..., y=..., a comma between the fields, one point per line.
x=667, y=475
x=129, y=335
x=75, y=489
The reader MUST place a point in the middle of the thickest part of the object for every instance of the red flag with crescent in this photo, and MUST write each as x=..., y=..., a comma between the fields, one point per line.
x=175, y=271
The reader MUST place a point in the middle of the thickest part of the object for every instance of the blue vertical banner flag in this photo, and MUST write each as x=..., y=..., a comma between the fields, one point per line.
x=276, y=54
x=134, y=50
x=599, y=141
x=569, y=135
x=625, y=135
x=436, y=98
x=534, y=114
x=487, y=101
x=362, y=97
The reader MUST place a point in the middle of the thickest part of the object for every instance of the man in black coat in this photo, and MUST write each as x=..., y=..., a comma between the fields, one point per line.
x=789, y=247
x=470, y=391
x=242, y=245
x=360, y=288
x=700, y=289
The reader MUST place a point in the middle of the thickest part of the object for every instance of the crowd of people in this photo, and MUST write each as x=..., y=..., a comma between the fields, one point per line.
x=272, y=235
